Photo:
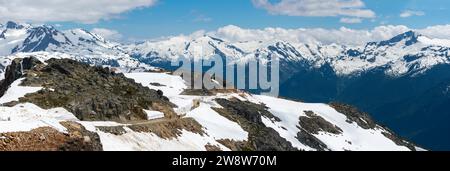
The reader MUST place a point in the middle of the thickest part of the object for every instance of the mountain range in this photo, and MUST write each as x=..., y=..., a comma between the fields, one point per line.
x=402, y=82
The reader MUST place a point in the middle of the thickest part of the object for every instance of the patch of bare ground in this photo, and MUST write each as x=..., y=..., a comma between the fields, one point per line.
x=205, y=92
x=234, y=145
x=115, y=130
x=210, y=147
x=49, y=139
x=170, y=128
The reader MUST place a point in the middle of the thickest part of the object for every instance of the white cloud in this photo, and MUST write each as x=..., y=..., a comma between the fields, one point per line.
x=410, y=13
x=108, y=34
x=351, y=20
x=84, y=11
x=349, y=8
x=439, y=31
x=342, y=35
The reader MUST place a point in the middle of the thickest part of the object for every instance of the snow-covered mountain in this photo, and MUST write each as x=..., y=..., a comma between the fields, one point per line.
x=79, y=44
x=60, y=104
x=405, y=53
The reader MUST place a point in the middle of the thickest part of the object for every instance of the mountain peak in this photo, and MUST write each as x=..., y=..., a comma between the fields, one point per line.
x=14, y=25
x=216, y=39
x=409, y=37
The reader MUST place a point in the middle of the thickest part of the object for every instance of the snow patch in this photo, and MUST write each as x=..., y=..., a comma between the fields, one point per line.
x=26, y=117
x=134, y=141
x=15, y=91
x=151, y=115
x=171, y=85
x=216, y=125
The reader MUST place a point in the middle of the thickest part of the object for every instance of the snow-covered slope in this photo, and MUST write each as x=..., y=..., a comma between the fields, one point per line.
x=224, y=121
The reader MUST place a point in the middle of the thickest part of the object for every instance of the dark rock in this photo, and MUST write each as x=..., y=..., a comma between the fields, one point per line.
x=157, y=84
x=13, y=25
x=314, y=124
x=354, y=115
x=306, y=138
x=160, y=93
x=250, y=111
x=399, y=141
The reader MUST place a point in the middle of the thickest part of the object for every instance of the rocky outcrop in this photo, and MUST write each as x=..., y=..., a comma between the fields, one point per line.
x=248, y=115
x=91, y=93
x=365, y=121
x=16, y=70
x=249, y=111
x=354, y=115
x=310, y=140
x=314, y=124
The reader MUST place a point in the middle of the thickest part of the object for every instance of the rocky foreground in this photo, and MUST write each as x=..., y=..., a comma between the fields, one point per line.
x=70, y=106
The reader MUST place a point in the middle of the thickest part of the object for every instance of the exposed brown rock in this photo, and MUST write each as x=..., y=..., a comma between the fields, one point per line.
x=49, y=139
x=210, y=147
x=236, y=145
x=169, y=129
x=116, y=130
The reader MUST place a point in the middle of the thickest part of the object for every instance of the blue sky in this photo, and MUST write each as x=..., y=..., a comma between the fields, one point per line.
x=173, y=17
